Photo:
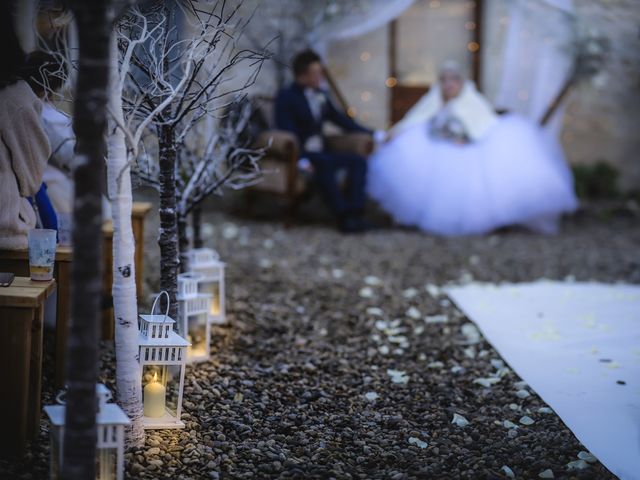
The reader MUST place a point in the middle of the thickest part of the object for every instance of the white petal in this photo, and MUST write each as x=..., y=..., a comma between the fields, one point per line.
x=409, y=293
x=508, y=472
x=371, y=396
x=587, y=457
x=459, y=420
x=418, y=443
x=366, y=292
x=372, y=281
x=577, y=465
x=487, y=382
x=527, y=420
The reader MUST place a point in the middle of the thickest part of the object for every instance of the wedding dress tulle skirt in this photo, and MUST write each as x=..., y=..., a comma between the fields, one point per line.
x=513, y=176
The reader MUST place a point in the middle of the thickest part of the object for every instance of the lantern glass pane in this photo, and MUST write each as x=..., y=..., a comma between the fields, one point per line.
x=197, y=326
x=168, y=376
x=106, y=464
x=212, y=288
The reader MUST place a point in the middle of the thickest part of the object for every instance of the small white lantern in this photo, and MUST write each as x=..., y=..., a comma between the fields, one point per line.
x=110, y=421
x=163, y=355
x=193, y=320
x=206, y=262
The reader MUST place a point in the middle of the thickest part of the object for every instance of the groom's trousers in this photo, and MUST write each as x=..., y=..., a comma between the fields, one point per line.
x=342, y=201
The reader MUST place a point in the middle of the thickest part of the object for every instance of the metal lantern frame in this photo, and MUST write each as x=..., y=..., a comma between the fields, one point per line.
x=206, y=262
x=160, y=346
x=193, y=319
x=111, y=422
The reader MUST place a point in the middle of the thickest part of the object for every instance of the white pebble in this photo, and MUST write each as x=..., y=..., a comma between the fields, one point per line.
x=548, y=473
x=508, y=472
x=522, y=394
x=418, y=443
x=526, y=420
x=371, y=396
x=459, y=420
x=587, y=457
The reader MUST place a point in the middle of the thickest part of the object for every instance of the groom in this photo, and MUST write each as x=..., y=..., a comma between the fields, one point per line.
x=302, y=108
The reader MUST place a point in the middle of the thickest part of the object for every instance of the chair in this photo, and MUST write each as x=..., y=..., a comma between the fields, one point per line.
x=282, y=175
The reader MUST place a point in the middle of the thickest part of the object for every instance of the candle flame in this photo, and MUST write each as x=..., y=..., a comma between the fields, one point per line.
x=155, y=376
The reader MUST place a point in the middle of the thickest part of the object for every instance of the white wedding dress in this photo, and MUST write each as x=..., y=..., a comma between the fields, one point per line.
x=512, y=174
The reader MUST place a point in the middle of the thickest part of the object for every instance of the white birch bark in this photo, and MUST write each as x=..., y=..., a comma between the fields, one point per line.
x=128, y=375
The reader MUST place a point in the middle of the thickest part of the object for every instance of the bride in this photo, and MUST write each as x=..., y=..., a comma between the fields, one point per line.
x=454, y=167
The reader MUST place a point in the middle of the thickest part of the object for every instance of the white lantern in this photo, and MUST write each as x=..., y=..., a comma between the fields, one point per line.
x=163, y=355
x=206, y=262
x=110, y=421
x=193, y=319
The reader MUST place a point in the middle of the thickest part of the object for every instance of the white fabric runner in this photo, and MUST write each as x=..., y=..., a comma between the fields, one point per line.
x=574, y=344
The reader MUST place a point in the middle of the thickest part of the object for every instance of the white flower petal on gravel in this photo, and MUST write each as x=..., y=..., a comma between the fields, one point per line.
x=372, y=281
x=371, y=396
x=470, y=352
x=414, y=313
x=487, y=382
x=366, y=292
x=337, y=273
x=433, y=290
x=523, y=394
x=268, y=243
x=381, y=325
x=587, y=457
x=409, y=293
x=375, y=311
x=435, y=365
x=459, y=420
x=436, y=319
x=472, y=333
x=548, y=473
x=577, y=465
x=398, y=376
x=545, y=410
x=526, y=420
x=497, y=363
x=265, y=263
x=508, y=472
x=418, y=443
x=509, y=424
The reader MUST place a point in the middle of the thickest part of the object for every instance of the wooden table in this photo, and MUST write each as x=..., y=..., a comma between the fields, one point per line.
x=21, y=327
x=17, y=262
x=138, y=213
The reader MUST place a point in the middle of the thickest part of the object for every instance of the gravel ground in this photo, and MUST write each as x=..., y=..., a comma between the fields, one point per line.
x=299, y=384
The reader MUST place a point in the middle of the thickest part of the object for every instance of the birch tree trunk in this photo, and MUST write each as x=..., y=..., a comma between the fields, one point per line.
x=168, y=239
x=124, y=274
x=95, y=20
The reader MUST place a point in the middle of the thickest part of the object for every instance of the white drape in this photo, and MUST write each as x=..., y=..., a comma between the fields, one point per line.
x=537, y=56
x=356, y=20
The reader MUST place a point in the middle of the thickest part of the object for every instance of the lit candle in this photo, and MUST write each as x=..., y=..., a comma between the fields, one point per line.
x=154, y=398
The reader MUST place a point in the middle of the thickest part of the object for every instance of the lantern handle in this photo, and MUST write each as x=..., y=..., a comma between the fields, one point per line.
x=153, y=307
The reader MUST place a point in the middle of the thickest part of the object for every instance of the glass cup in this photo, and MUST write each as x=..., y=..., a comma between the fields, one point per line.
x=42, y=253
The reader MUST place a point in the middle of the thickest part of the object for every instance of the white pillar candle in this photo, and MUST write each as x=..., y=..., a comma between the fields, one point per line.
x=154, y=398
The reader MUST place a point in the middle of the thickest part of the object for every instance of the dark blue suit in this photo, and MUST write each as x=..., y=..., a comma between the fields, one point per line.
x=293, y=114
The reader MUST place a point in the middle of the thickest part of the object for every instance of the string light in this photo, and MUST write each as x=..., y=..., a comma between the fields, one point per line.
x=365, y=96
x=365, y=56
x=352, y=111
x=473, y=46
x=391, y=82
